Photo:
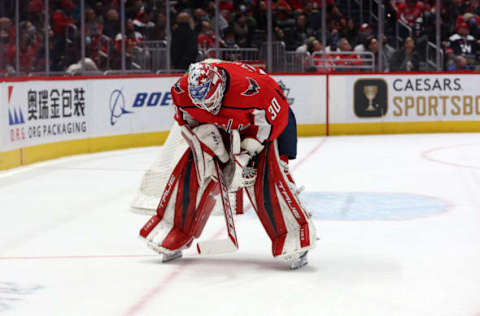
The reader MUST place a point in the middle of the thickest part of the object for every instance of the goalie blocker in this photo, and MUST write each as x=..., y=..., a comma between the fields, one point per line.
x=190, y=196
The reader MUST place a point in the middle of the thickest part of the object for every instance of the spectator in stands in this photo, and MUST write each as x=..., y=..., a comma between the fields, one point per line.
x=99, y=48
x=184, y=43
x=462, y=43
x=297, y=6
x=332, y=10
x=349, y=30
x=231, y=46
x=301, y=32
x=40, y=59
x=260, y=15
x=450, y=11
x=315, y=61
x=423, y=32
x=111, y=26
x=364, y=34
x=405, y=58
x=159, y=31
x=229, y=39
x=226, y=15
x=132, y=8
x=279, y=35
x=225, y=5
x=143, y=22
x=242, y=31
x=344, y=60
x=36, y=13
x=134, y=51
x=100, y=8
x=62, y=18
x=473, y=22
x=387, y=49
x=306, y=44
x=7, y=30
x=409, y=11
x=221, y=22
x=372, y=46
x=206, y=38
x=333, y=42
x=91, y=24
x=199, y=15
x=28, y=49
x=4, y=45
x=314, y=16
x=460, y=64
x=3, y=63
x=283, y=15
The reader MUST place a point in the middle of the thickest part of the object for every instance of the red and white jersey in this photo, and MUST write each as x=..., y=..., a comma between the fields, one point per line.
x=253, y=103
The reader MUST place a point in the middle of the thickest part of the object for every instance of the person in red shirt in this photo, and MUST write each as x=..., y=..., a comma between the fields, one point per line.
x=206, y=39
x=29, y=46
x=409, y=11
x=62, y=18
x=231, y=99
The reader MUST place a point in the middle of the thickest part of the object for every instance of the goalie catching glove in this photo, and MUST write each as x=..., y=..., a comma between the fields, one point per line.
x=241, y=171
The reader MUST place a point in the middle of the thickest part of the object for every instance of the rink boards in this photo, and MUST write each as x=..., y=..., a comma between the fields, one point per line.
x=44, y=118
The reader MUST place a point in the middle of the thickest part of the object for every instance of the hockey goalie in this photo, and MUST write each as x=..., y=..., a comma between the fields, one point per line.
x=241, y=134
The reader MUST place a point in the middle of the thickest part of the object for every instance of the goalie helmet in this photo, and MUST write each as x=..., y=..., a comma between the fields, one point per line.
x=206, y=85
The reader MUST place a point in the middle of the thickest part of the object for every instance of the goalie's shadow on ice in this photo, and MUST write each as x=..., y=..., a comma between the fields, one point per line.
x=226, y=264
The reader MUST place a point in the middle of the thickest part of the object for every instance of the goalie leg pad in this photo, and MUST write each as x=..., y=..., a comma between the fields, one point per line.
x=284, y=218
x=183, y=210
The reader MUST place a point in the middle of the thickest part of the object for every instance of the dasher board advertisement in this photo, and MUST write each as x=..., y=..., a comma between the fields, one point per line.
x=404, y=98
x=39, y=112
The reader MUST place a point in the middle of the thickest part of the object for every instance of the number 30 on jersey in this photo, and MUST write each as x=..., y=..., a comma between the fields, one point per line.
x=274, y=108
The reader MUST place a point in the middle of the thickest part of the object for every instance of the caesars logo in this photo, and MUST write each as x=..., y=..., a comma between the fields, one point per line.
x=370, y=98
x=434, y=97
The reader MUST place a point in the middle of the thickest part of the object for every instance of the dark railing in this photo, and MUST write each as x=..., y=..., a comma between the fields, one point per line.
x=108, y=55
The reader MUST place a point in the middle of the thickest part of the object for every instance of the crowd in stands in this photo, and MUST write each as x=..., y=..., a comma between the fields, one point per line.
x=297, y=26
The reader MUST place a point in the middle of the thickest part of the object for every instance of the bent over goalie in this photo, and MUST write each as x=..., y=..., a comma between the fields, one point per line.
x=241, y=134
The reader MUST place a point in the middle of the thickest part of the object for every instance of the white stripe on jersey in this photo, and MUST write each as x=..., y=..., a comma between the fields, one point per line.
x=264, y=128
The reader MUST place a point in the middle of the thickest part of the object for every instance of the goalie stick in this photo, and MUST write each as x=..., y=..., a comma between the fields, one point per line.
x=210, y=247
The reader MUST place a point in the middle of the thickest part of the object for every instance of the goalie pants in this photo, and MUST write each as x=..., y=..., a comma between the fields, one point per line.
x=287, y=141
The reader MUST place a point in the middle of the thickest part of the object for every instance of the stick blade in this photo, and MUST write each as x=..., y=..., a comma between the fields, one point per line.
x=215, y=247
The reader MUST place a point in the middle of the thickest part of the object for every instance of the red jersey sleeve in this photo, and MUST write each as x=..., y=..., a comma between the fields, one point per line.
x=270, y=119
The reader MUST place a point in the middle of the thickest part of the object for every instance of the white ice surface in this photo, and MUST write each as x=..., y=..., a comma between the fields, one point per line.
x=69, y=246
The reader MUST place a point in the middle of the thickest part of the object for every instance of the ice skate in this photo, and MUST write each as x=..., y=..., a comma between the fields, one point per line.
x=299, y=260
x=167, y=254
x=170, y=256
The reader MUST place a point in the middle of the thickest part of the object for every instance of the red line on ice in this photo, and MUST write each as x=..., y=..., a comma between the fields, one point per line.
x=426, y=156
x=154, y=291
x=76, y=257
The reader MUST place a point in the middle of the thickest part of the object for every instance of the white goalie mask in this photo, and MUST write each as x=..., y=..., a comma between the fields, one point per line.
x=206, y=85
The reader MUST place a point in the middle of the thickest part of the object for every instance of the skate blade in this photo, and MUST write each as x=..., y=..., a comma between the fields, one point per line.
x=171, y=257
x=299, y=262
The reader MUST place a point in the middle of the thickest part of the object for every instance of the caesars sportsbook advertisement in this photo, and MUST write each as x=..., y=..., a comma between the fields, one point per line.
x=402, y=98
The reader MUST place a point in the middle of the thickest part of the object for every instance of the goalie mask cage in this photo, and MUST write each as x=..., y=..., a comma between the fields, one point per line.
x=155, y=178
